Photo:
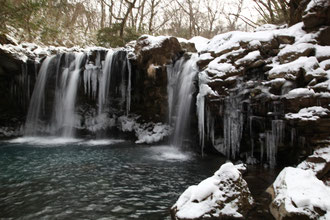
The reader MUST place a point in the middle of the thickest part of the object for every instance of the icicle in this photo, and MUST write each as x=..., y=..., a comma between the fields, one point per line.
x=105, y=82
x=128, y=99
x=233, y=126
x=262, y=146
x=123, y=83
x=274, y=138
x=293, y=136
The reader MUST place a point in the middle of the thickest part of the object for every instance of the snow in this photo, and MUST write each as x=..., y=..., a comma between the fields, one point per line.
x=323, y=157
x=250, y=57
x=300, y=92
x=35, y=52
x=205, y=56
x=313, y=3
x=152, y=41
x=322, y=51
x=300, y=191
x=295, y=48
x=308, y=114
x=198, y=201
x=200, y=42
x=146, y=133
x=220, y=69
x=306, y=63
x=230, y=40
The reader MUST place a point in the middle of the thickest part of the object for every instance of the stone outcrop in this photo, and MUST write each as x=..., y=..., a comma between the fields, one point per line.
x=222, y=196
x=152, y=55
x=249, y=82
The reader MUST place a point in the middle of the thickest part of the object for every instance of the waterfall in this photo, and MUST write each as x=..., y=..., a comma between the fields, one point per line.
x=105, y=82
x=180, y=92
x=63, y=115
x=68, y=102
x=37, y=100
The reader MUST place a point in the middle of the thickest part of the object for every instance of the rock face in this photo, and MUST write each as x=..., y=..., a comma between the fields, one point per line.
x=222, y=196
x=249, y=82
x=316, y=14
x=298, y=194
x=152, y=55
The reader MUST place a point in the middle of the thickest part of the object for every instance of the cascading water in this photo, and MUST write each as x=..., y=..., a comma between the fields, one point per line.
x=63, y=117
x=129, y=87
x=70, y=98
x=37, y=100
x=105, y=82
x=180, y=92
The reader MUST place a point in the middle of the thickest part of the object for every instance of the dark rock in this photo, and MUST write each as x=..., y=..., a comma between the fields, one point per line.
x=317, y=16
x=188, y=46
x=285, y=39
x=297, y=8
x=323, y=37
x=5, y=40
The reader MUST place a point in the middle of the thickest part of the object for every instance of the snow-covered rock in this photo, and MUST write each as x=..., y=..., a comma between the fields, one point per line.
x=147, y=133
x=224, y=195
x=308, y=114
x=318, y=163
x=298, y=194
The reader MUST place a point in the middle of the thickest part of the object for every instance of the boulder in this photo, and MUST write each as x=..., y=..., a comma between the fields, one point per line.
x=316, y=14
x=298, y=194
x=224, y=195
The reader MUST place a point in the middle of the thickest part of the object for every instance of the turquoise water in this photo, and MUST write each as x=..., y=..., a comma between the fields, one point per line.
x=104, y=179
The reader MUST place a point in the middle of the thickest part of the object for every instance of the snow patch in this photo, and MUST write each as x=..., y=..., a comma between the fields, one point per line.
x=308, y=114
x=300, y=192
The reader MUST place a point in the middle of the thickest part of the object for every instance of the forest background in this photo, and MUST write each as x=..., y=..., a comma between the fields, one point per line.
x=113, y=23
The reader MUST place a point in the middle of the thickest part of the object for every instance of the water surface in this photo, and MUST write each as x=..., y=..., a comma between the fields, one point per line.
x=96, y=179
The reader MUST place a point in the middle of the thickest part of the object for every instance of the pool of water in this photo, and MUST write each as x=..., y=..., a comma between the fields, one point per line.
x=99, y=179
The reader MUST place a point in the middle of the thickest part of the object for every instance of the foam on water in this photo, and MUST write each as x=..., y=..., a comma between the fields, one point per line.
x=46, y=141
x=169, y=153
x=102, y=142
x=56, y=141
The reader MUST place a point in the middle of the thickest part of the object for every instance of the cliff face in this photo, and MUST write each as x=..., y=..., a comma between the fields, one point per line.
x=258, y=94
x=264, y=96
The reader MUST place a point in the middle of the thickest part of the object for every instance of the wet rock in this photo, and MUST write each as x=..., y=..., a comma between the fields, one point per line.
x=222, y=196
